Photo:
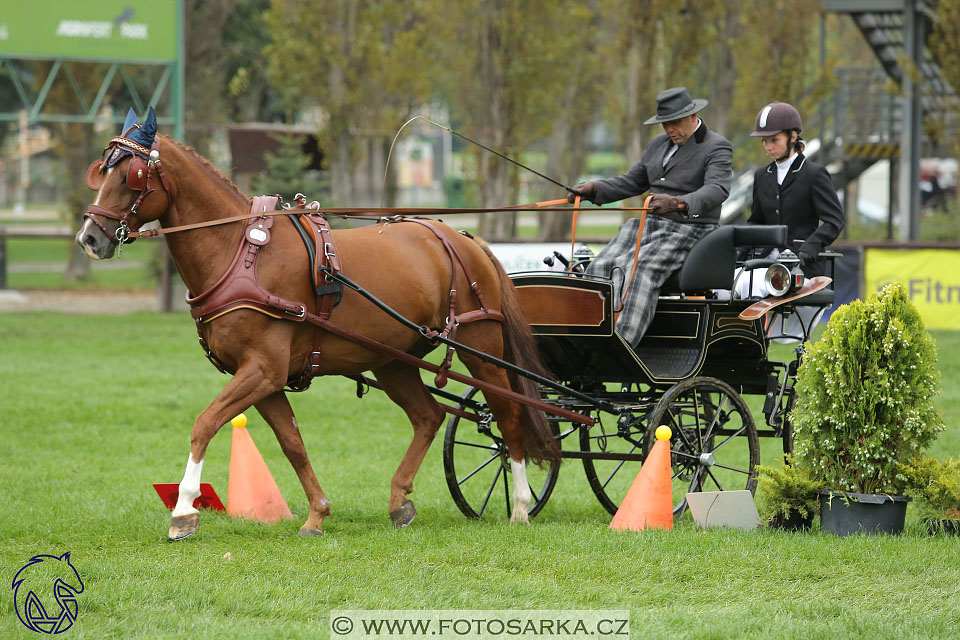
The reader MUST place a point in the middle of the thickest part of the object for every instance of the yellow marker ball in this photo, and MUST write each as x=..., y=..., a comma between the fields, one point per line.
x=663, y=432
x=239, y=422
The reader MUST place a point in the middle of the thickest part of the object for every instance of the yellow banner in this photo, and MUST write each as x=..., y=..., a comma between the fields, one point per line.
x=931, y=276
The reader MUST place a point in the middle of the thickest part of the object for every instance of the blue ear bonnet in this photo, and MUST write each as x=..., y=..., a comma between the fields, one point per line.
x=143, y=135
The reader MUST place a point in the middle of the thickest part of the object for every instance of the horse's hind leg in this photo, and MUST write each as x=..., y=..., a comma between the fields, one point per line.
x=276, y=410
x=403, y=385
x=508, y=415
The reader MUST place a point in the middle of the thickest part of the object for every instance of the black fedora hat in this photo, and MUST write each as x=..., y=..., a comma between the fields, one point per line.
x=675, y=103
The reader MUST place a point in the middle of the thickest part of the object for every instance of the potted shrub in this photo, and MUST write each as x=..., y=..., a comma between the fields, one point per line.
x=865, y=407
x=935, y=485
x=788, y=495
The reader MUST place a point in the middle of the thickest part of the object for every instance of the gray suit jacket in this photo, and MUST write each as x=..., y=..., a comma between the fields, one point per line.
x=700, y=172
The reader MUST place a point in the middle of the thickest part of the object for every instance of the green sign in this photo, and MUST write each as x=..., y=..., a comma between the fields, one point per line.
x=112, y=30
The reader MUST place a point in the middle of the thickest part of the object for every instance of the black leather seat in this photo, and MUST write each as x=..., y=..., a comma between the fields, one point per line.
x=711, y=262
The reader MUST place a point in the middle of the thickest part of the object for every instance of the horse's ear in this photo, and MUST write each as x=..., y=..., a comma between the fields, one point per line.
x=93, y=175
x=130, y=122
x=66, y=556
x=147, y=131
x=150, y=127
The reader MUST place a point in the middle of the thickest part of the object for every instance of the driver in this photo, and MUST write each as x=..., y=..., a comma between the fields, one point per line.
x=688, y=170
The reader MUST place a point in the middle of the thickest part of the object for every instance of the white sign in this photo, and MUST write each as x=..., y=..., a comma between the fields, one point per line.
x=519, y=256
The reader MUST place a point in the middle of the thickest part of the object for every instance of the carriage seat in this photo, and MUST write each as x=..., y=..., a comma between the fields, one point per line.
x=712, y=260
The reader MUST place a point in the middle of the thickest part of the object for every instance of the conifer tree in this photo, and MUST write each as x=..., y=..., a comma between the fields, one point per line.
x=287, y=172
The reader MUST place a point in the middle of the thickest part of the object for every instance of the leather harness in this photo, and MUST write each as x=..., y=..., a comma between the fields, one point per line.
x=143, y=164
x=238, y=287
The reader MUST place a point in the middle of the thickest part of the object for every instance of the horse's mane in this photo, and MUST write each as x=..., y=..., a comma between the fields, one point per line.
x=192, y=153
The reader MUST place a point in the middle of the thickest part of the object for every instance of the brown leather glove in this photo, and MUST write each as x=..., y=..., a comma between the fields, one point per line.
x=586, y=191
x=662, y=204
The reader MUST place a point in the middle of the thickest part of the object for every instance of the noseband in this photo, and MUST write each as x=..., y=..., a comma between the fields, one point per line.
x=139, y=173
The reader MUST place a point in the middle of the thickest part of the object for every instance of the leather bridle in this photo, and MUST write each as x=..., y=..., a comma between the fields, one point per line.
x=143, y=164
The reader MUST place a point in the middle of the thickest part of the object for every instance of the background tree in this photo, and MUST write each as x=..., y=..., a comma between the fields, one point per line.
x=506, y=64
x=204, y=99
x=943, y=42
x=287, y=170
x=364, y=65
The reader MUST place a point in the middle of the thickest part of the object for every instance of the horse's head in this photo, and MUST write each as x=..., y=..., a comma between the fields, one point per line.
x=125, y=179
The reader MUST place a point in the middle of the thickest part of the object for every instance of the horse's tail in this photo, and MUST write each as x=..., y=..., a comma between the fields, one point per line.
x=520, y=349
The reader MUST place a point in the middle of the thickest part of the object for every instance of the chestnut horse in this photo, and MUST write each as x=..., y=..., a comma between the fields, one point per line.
x=403, y=264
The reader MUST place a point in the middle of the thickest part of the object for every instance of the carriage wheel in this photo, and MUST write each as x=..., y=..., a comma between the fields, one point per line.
x=708, y=451
x=476, y=464
x=610, y=479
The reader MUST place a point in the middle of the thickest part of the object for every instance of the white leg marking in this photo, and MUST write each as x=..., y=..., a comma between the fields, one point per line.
x=189, y=488
x=521, y=491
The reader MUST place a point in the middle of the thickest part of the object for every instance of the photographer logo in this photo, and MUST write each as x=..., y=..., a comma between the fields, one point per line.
x=45, y=593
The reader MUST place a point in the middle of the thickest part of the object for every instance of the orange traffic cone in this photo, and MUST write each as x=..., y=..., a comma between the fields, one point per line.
x=252, y=493
x=649, y=502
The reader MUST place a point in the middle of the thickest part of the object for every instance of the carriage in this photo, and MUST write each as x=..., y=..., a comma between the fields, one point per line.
x=691, y=371
x=279, y=299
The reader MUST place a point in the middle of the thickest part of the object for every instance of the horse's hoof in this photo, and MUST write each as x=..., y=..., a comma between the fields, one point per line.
x=519, y=519
x=183, y=526
x=310, y=532
x=403, y=515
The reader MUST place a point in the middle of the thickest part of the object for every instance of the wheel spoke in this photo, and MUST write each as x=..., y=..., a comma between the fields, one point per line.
x=617, y=468
x=717, y=482
x=683, y=436
x=730, y=437
x=696, y=415
x=533, y=493
x=506, y=490
x=474, y=444
x=493, y=485
x=728, y=468
x=715, y=419
x=695, y=484
x=474, y=472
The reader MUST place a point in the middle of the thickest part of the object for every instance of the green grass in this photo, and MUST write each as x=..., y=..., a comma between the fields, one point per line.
x=26, y=255
x=134, y=278
x=96, y=408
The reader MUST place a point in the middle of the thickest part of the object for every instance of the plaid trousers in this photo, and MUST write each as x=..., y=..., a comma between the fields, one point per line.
x=663, y=249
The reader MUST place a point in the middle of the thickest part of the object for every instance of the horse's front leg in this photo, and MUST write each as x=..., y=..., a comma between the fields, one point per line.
x=252, y=382
x=403, y=385
x=276, y=410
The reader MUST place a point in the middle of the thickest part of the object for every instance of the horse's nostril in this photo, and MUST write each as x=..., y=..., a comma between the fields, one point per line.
x=89, y=241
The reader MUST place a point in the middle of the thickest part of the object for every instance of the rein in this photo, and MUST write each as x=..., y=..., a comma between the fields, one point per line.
x=358, y=214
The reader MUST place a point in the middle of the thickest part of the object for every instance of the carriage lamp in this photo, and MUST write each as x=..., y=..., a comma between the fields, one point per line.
x=778, y=279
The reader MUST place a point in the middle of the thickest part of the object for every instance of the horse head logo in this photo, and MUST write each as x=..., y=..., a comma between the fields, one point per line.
x=45, y=593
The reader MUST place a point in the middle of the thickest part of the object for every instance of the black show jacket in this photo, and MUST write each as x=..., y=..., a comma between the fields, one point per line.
x=806, y=202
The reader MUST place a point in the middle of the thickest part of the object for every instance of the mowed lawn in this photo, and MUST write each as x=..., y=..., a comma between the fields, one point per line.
x=94, y=409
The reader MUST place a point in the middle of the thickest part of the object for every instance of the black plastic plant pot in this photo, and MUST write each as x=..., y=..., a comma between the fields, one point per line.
x=794, y=522
x=862, y=513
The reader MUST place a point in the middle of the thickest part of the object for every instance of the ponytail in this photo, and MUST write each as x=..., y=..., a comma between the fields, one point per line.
x=800, y=145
